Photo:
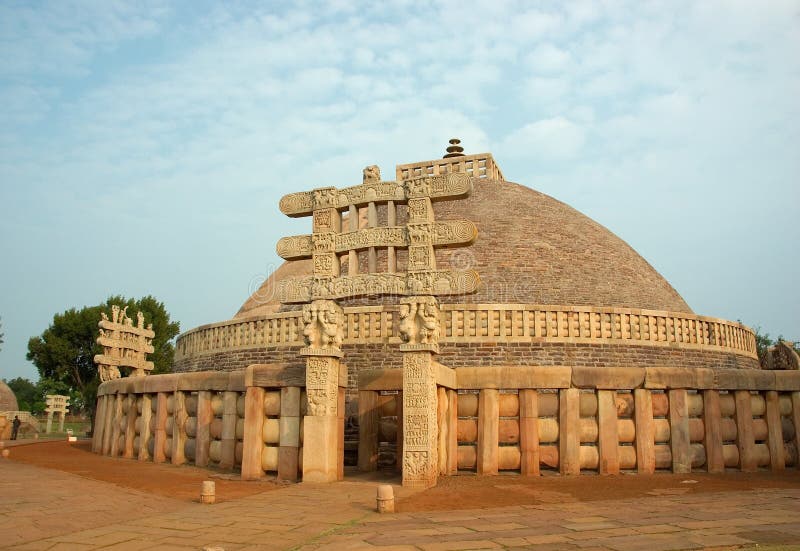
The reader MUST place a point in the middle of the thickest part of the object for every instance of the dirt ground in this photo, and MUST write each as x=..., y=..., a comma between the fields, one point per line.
x=472, y=492
x=451, y=493
x=165, y=480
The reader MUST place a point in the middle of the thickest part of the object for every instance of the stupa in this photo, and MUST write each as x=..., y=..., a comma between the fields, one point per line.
x=457, y=322
x=557, y=288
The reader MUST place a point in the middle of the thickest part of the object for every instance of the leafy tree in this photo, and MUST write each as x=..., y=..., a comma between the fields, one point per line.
x=64, y=352
x=26, y=392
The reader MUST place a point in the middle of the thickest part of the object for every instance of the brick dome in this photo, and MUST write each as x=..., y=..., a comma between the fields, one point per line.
x=533, y=249
x=8, y=401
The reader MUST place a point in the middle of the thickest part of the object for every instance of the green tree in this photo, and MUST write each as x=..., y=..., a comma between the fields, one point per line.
x=64, y=352
x=26, y=392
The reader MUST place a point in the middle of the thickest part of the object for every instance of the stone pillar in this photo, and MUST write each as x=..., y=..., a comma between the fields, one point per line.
x=645, y=436
x=529, y=432
x=712, y=420
x=179, y=417
x=608, y=435
x=253, y=441
x=420, y=461
x=130, y=427
x=419, y=329
x=452, y=435
x=569, y=431
x=62, y=418
x=144, y=433
x=49, y=428
x=488, y=431
x=796, y=422
x=205, y=415
x=108, y=423
x=775, y=432
x=744, y=431
x=116, y=428
x=229, y=418
x=160, y=436
x=442, y=419
x=321, y=425
x=679, y=431
x=98, y=425
x=289, y=438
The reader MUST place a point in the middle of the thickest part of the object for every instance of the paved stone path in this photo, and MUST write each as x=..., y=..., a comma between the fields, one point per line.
x=45, y=509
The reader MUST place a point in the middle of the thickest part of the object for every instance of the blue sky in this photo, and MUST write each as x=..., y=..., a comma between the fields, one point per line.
x=144, y=146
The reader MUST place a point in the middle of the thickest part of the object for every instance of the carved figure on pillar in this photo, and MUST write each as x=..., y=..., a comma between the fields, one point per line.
x=323, y=330
x=420, y=323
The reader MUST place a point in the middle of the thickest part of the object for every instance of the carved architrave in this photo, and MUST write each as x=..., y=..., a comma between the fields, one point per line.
x=434, y=282
x=124, y=345
x=446, y=186
x=57, y=403
x=447, y=233
x=322, y=385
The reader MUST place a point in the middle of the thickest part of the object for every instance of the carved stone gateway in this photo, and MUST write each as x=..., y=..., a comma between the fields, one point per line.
x=124, y=345
x=56, y=403
x=336, y=241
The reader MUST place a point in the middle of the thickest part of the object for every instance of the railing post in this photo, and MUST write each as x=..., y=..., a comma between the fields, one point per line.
x=144, y=433
x=205, y=415
x=569, y=434
x=645, y=437
x=253, y=441
x=712, y=419
x=488, y=431
x=529, y=432
x=608, y=434
x=679, y=431
x=289, y=438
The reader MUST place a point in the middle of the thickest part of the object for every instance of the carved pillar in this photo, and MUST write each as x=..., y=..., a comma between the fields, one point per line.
x=419, y=328
x=49, y=428
x=323, y=333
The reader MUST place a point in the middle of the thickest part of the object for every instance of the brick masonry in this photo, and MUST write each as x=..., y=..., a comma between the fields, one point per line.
x=386, y=356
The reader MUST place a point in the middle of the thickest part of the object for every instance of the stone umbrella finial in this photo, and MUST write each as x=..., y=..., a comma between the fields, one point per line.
x=454, y=150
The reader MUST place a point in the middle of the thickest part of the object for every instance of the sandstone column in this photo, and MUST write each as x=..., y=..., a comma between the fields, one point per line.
x=323, y=333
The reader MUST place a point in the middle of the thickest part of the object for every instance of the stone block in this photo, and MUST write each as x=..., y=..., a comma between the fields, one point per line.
x=610, y=378
x=664, y=378
x=320, y=433
x=513, y=377
x=744, y=379
x=787, y=381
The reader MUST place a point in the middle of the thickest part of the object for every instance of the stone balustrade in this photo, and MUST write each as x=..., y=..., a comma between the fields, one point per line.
x=248, y=419
x=487, y=323
x=481, y=165
x=525, y=419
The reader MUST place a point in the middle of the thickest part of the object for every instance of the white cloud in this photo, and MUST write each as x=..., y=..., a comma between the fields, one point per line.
x=555, y=139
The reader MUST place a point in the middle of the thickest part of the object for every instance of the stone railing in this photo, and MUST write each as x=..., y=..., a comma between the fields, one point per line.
x=575, y=420
x=248, y=419
x=488, y=323
x=481, y=165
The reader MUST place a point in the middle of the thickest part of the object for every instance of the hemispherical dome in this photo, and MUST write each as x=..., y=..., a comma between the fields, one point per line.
x=8, y=401
x=531, y=248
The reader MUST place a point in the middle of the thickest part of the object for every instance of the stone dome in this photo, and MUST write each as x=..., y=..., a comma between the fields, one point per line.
x=8, y=401
x=532, y=249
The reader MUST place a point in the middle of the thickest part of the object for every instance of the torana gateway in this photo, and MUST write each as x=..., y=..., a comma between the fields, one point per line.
x=448, y=320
